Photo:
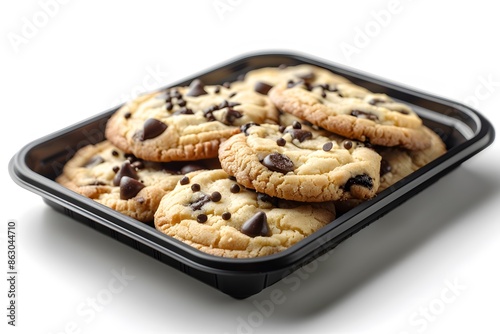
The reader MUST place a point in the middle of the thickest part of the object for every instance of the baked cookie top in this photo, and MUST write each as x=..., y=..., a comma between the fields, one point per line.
x=299, y=163
x=186, y=123
x=263, y=79
x=213, y=213
x=353, y=112
x=121, y=181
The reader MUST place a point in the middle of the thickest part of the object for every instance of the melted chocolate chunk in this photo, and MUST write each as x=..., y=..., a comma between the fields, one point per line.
x=231, y=116
x=256, y=226
x=226, y=215
x=184, y=111
x=327, y=146
x=129, y=187
x=125, y=170
x=385, y=167
x=198, y=203
x=364, y=114
x=278, y=163
x=301, y=135
x=360, y=180
x=152, y=128
x=94, y=161
x=196, y=88
x=262, y=88
x=245, y=127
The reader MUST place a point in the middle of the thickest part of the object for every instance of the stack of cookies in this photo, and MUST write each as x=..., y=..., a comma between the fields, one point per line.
x=251, y=167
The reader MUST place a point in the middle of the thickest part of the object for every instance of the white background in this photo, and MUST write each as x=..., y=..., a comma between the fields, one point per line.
x=393, y=277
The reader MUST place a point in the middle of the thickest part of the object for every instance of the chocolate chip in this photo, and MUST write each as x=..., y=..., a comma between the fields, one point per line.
x=216, y=196
x=184, y=111
x=198, y=203
x=115, y=153
x=202, y=218
x=181, y=103
x=278, y=163
x=233, y=94
x=296, y=125
x=282, y=128
x=307, y=76
x=300, y=135
x=226, y=215
x=281, y=141
x=323, y=94
x=127, y=115
x=196, y=88
x=256, y=226
x=129, y=187
x=152, y=128
x=233, y=104
x=374, y=101
x=327, y=146
x=116, y=169
x=235, y=189
x=291, y=83
x=191, y=168
x=223, y=104
x=385, y=167
x=217, y=90
x=169, y=106
x=347, y=144
x=360, y=180
x=184, y=181
x=127, y=170
x=97, y=183
x=364, y=114
x=245, y=127
x=195, y=187
x=231, y=116
x=262, y=88
x=94, y=161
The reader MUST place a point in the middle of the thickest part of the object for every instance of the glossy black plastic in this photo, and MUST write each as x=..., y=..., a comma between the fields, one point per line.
x=35, y=166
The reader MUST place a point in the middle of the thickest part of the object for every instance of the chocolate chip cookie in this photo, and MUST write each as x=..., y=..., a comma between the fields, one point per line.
x=301, y=164
x=353, y=112
x=121, y=181
x=186, y=123
x=213, y=213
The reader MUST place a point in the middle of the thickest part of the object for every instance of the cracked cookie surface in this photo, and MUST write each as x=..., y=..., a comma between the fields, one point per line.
x=301, y=164
x=213, y=213
x=186, y=123
x=353, y=112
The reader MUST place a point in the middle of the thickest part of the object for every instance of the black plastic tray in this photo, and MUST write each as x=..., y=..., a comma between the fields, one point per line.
x=35, y=166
